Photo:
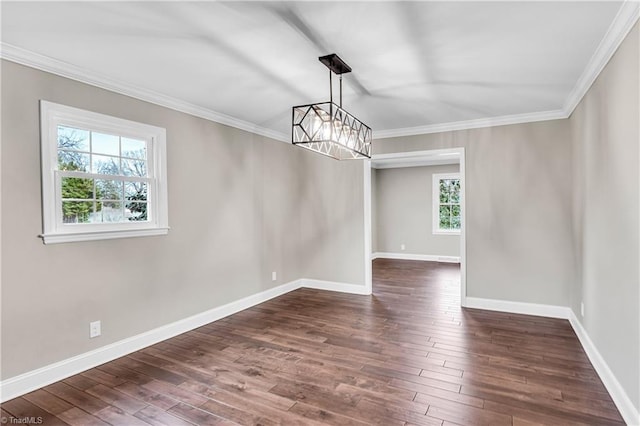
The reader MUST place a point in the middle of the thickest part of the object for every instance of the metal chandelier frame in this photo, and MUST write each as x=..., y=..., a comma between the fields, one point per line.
x=328, y=129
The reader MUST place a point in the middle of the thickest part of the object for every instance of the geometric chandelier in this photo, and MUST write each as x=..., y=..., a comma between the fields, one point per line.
x=328, y=129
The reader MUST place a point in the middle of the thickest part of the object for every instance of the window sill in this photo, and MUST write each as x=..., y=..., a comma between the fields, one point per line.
x=101, y=235
x=440, y=232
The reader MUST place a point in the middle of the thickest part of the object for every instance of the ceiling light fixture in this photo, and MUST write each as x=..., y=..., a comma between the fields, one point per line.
x=328, y=129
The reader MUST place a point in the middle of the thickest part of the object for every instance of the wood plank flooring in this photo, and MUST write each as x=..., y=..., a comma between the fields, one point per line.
x=408, y=355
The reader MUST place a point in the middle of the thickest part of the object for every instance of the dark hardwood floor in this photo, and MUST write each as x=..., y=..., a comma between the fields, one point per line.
x=406, y=355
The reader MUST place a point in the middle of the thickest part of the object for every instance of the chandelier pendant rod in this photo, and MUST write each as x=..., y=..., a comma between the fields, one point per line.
x=330, y=88
x=330, y=95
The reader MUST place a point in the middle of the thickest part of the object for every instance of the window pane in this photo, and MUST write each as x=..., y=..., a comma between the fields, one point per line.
x=455, y=210
x=135, y=191
x=136, y=211
x=73, y=160
x=444, y=191
x=76, y=211
x=108, y=189
x=105, y=165
x=73, y=187
x=96, y=215
x=134, y=148
x=455, y=191
x=455, y=222
x=111, y=211
x=445, y=217
x=134, y=168
x=105, y=144
x=445, y=222
x=73, y=139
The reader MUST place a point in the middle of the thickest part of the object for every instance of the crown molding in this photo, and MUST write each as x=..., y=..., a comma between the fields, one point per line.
x=623, y=22
x=35, y=60
x=472, y=124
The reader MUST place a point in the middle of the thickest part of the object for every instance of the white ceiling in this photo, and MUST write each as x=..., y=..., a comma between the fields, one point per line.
x=416, y=65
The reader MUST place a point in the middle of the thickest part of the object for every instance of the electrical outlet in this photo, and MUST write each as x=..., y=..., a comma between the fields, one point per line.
x=582, y=309
x=95, y=329
x=402, y=247
x=274, y=276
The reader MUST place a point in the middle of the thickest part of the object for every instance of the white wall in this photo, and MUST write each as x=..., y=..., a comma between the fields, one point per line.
x=404, y=211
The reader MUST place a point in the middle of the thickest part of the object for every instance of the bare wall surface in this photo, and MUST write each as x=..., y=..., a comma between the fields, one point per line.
x=240, y=207
x=553, y=211
x=606, y=135
x=332, y=219
x=404, y=210
x=518, y=198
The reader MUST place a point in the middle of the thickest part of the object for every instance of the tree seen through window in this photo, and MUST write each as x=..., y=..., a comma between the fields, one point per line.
x=449, y=204
x=109, y=187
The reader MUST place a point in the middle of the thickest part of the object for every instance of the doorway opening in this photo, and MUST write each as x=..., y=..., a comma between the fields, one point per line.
x=446, y=214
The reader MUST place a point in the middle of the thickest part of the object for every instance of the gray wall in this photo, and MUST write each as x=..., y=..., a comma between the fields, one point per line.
x=404, y=212
x=240, y=206
x=539, y=228
x=332, y=219
x=518, y=217
x=553, y=211
x=606, y=135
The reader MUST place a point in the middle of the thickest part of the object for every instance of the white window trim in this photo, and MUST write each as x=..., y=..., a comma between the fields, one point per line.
x=435, y=201
x=55, y=231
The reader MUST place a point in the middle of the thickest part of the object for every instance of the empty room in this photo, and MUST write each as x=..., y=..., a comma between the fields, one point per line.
x=320, y=213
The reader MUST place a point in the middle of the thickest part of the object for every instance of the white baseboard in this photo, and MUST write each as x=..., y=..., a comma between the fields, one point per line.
x=334, y=286
x=35, y=379
x=32, y=380
x=624, y=404
x=629, y=412
x=409, y=256
x=550, y=311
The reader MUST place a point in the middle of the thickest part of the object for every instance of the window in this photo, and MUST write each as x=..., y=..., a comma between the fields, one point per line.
x=446, y=203
x=102, y=177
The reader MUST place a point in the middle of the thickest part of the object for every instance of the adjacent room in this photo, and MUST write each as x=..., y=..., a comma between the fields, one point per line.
x=320, y=213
